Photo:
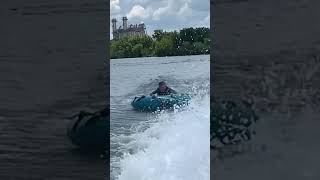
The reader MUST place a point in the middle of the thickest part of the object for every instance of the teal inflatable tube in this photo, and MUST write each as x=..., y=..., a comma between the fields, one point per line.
x=154, y=103
x=89, y=130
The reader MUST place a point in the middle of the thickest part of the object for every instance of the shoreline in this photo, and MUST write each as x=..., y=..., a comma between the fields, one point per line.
x=151, y=57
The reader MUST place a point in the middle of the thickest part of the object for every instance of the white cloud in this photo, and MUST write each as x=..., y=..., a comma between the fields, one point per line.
x=159, y=12
x=205, y=21
x=142, y=2
x=173, y=8
x=114, y=6
x=185, y=10
x=138, y=11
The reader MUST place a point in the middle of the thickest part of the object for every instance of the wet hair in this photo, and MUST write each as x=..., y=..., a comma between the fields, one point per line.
x=162, y=83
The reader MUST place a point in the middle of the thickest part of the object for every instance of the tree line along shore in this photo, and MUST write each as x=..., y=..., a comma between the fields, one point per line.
x=188, y=41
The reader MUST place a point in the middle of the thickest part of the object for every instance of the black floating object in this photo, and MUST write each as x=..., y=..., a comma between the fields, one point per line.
x=90, y=131
x=231, y=123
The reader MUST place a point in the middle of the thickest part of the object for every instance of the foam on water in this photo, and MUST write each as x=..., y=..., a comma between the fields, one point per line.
x=175, y=146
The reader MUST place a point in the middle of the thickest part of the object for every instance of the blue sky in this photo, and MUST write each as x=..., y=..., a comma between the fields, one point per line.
x=162, y=14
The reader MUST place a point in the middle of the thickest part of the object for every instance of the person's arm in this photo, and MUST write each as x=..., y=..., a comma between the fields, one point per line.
x=171, y=91
x=154, y=92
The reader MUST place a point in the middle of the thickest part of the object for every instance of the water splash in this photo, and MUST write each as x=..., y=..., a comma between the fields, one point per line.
x=175, y=145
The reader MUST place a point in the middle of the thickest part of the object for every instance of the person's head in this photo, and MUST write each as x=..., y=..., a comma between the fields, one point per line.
x=162, y=86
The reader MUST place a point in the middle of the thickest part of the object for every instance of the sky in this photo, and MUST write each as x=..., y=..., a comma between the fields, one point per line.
x=167, y=15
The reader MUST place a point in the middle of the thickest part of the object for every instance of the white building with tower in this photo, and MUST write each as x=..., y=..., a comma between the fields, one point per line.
x=125, y=30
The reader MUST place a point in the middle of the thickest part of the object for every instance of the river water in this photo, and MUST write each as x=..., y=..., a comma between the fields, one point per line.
x=36, y=96
x=166, y=145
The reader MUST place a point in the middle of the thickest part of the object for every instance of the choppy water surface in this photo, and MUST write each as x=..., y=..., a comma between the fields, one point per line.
x=166, y=145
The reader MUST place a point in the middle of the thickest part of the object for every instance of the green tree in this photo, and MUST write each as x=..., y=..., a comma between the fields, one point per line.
x=158, y=34
x=187, y=34
x=188, y=41
x=164, y=47
x=137, y=50
x=199, y=48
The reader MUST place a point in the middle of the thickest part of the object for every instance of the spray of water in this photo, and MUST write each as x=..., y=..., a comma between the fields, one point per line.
x=175, y=146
